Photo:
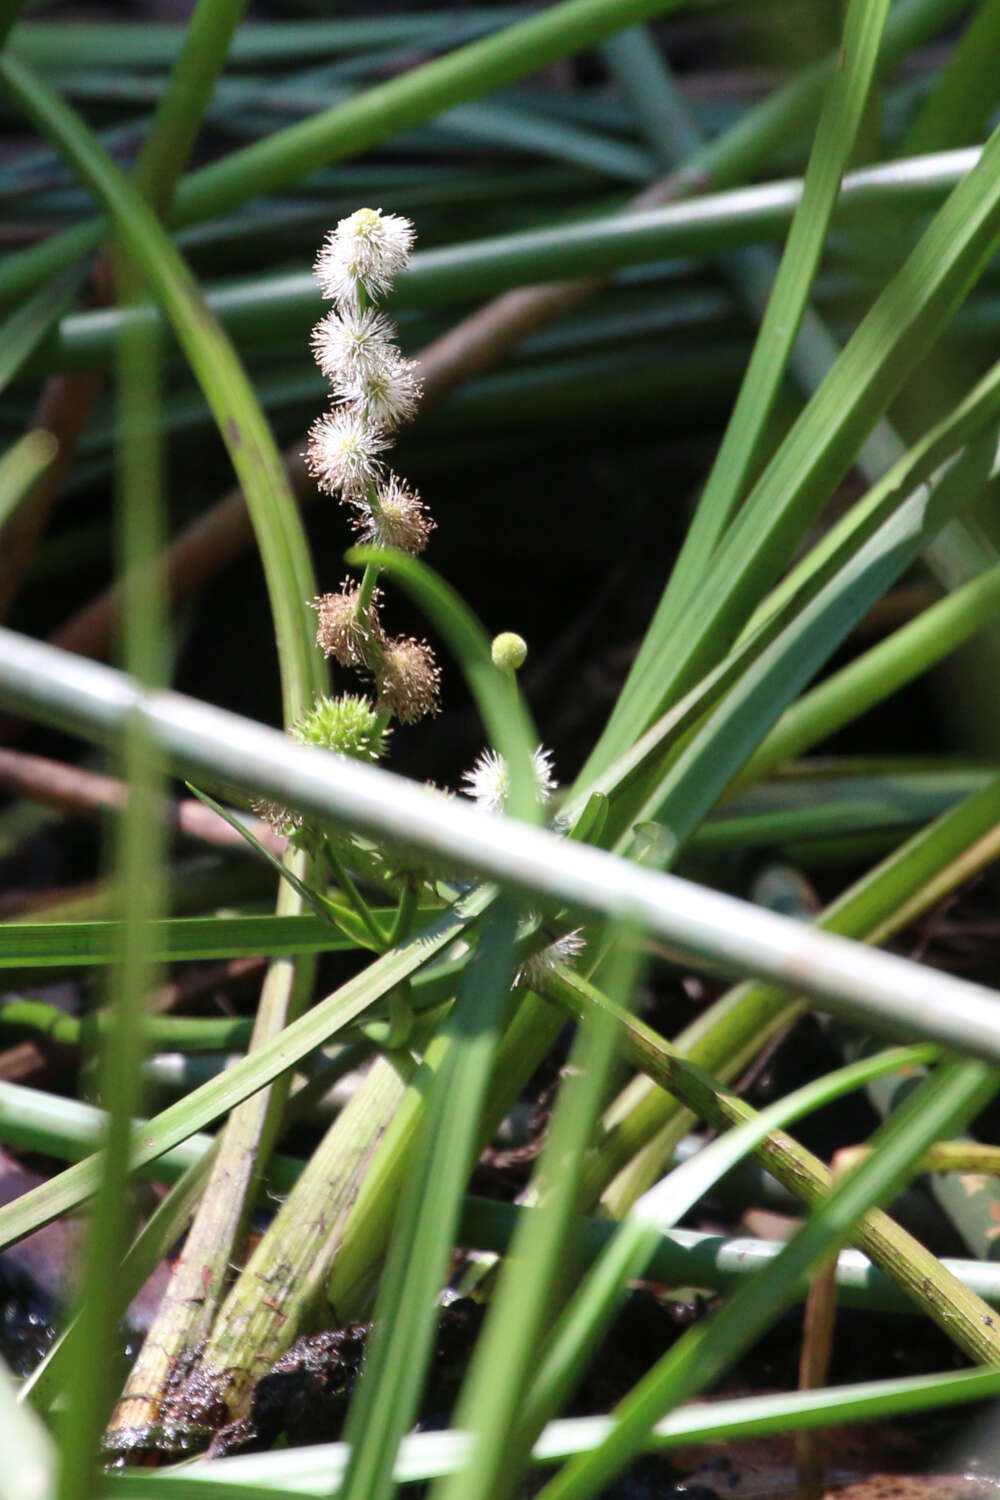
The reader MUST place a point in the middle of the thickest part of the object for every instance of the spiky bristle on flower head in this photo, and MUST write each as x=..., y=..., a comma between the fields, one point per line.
x=366, y=251
x=343, y=452
x=343, y=631
x=488, y=782
x=564, y=950
x=351, y=344
x=347, y=725
x=387, y=395
x=408, y=679
x=399, y=518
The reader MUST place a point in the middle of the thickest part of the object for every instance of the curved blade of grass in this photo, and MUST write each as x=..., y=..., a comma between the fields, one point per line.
x=207, y=39
x=722, y=743
x=947, y=1100
x=500, y=704
x=833, y=144
x=24, y=329
x=895, y=335
x=23, y=463
x=626, y=1256
x=227, y=390
x=264, y=1064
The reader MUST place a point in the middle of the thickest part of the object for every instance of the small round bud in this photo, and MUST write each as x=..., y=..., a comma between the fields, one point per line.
x=408, y=679
x=344, y=633
x=509, y=651
x=348, y=725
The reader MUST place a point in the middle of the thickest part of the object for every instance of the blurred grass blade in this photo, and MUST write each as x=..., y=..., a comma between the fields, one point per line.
x=139, y=860
x=23, y=330
x=385, y=1403
x=224, y=382
x=23, y=463
x=739, y=453
x=29, y=1469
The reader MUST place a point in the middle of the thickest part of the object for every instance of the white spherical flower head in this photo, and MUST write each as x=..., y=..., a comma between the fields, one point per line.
x=351, y=345
x=387, y=394
x=366, y=251
x=343, y=452
x=488, y=783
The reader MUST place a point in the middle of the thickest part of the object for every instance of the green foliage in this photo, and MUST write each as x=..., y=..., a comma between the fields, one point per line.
x=463, y=938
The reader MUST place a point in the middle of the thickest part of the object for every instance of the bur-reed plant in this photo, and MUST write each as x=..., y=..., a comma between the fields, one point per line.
x=458, y=920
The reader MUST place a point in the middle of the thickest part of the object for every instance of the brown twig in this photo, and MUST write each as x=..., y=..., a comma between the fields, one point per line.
x=88, y=794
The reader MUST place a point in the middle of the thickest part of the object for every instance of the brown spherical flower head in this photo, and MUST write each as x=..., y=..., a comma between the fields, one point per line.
x=340, y=631
x=400, y=518
x=408, y=679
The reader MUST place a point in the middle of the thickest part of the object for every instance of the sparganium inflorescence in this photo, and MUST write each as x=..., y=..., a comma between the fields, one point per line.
x=375, y=390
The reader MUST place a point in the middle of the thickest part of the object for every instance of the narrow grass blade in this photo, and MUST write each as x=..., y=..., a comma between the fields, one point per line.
x=78, y=1183
x=627, y=1255
x=895, y=335
x=953, y=1096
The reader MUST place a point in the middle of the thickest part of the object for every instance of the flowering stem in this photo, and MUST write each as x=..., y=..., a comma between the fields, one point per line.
x=368, y=582
x=358, y=902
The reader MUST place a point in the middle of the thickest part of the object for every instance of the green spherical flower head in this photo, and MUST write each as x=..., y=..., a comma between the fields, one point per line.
x=347, y=725
x=509, y=651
